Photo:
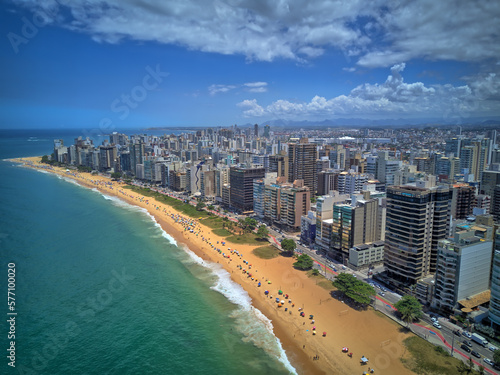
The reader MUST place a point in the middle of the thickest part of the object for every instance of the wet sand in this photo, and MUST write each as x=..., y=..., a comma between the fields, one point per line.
x=364, y=332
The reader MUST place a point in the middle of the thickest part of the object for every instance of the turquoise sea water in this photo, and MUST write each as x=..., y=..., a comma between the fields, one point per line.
x=101, y=289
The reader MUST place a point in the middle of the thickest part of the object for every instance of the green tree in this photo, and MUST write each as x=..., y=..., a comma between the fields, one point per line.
x=200, y=206
x=45, y=159
x=496, y=356
x=353, y=288
x=315, y=272
x=210, y=207
x=82, y=168
x=250, y=224
x=116, y=175
x=262, y=232
x=304, y=262
x=409, y=308
x=288, y=245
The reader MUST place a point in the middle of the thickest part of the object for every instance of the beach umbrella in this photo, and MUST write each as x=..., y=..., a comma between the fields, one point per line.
x=283, y=302
x=324, y=334
x=280, y=291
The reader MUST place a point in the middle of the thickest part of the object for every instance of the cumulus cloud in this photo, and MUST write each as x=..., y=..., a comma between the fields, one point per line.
x=375, y=33
x=394, y=97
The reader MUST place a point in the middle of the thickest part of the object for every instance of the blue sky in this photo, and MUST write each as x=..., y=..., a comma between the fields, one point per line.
x=134, y=63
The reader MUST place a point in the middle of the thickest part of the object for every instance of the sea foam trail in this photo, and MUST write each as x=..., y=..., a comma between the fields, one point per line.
x=251, y=322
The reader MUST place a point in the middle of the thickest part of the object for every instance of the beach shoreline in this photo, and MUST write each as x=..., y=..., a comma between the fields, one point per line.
x=364, y=332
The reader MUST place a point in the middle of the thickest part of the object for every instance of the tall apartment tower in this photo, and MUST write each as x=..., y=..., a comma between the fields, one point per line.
x=463, y=270
x=241, y=181
x=463, y=201
x=417, y=218
x=353, y=224
x=302, y=164
x=279, y=164
x=494, y=313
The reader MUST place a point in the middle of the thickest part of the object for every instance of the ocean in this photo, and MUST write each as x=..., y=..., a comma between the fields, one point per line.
x=100, y=288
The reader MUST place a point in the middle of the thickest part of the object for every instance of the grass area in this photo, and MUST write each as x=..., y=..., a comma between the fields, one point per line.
x=222, y=232
x=247, y=239
x=266, y=252
x=427, y=359
x=214, y=222
x=185, y=208
x=321, y=280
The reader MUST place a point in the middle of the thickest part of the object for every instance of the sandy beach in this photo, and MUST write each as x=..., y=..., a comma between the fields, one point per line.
x=365, y=333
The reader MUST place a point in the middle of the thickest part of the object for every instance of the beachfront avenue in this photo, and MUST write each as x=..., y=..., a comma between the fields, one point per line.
x=11, y=321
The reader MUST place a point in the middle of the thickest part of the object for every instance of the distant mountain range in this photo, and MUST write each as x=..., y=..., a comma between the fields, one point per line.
x=487, y=122
x=361, y=122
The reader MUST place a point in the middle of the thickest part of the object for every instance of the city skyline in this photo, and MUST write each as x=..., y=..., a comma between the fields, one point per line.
x=119, y=65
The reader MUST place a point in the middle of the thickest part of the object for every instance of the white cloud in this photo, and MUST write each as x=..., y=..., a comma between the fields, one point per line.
x=377, y=33
x=215, y=89
x=392, y=98
x=256, y=87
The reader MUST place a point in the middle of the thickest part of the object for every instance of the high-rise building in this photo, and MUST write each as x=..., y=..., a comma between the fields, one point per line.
x=417, y=218
x=453, y=147
x=302, y=164
x=490, y=179
x=241, y=181
x=463, y=271
x=494, y=313
x=279, y=164
x=463, y=199
x=327, y=181
x=386, y=168
x=256, y=130
x=267, y=130
x=353, y=224
x=350, y=182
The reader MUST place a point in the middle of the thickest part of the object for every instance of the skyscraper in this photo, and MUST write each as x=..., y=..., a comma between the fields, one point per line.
x=241, y=181
x=417, y=218
x=302, y=164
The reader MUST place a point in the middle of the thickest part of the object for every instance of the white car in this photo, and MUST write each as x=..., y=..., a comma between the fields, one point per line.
x=488, y=361
x=434, y=319
x=437, y=325
x=466, y=334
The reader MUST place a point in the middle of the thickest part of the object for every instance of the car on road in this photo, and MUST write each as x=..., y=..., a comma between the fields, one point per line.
x=475, y=354
x=465, y=348
x=457, y=332
x=437, y=325
x=468, y=343
x=466, y=334
x=381, y=293
x=433, y=318
x=488, y=361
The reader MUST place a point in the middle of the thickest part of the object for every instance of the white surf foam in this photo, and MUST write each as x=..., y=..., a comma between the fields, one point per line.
x=121, y=203
x=254, y=325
